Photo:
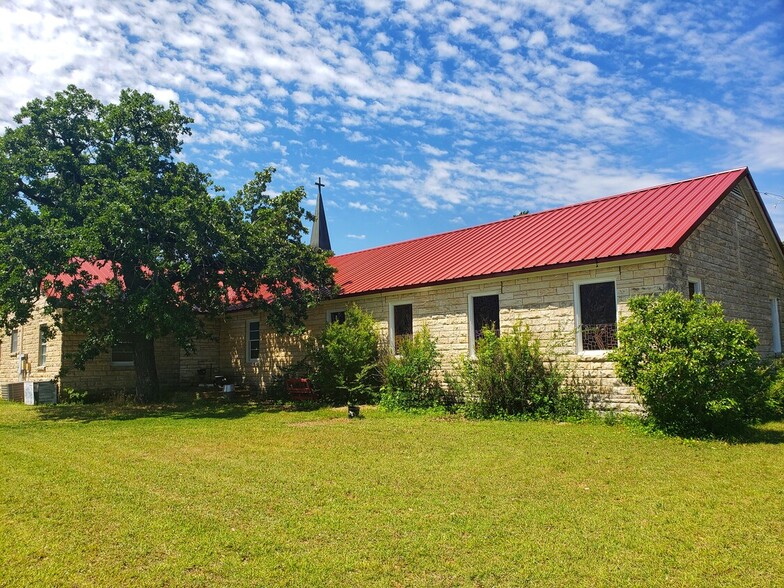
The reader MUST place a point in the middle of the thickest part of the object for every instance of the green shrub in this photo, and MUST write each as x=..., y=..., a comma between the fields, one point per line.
x=104, y=395
x=697, y=373
x=276, y=390
x=345, y=359
x=774, y=400
x=511, y=377
x=73, y=396
x=410, y=379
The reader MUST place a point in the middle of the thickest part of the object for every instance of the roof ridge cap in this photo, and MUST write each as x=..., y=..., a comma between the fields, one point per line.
x=646, y=189
x=674, y=182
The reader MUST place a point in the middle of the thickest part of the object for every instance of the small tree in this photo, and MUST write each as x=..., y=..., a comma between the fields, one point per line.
x=89, y=188
x=410, y=379
x=345, y=359
x=696, y=372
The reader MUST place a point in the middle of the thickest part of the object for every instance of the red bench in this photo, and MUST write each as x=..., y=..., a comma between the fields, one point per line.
x=300, y=389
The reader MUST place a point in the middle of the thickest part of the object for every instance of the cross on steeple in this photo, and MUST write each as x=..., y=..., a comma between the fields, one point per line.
x=319, y=237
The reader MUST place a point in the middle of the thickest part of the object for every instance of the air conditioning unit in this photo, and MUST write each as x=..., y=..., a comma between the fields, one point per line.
x=40, y=392
x=16, y=392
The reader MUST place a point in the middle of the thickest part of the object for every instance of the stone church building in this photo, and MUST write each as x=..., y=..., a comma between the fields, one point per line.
x=567, y=273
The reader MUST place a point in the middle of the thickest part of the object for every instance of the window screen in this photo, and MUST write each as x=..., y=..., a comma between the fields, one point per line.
x=403, y=324
x=598, y=316
x=486, y=315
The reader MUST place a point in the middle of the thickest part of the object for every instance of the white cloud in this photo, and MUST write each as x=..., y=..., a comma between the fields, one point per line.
x=221, y=137
x=254, y=127
x=431, y=150
x=356, y=136
x=343, y=160
x=586, y=97
x=508, y=43
x=277, y=146
x=460, y=25
x=765, y=149
x=222, y=155
x=446, y=50
x=364, y=207
x=353, y=236
x=359, y=206
x=301, y=97
x=537, y=39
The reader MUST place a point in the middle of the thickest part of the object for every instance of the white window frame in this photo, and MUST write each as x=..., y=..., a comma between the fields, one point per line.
x=120, y=363
x=15, y=341
x=471, y=338
x=248, y=357
x=578, y=312
x=776, y=326
x=42, y=345
x=697, y=285
x=392, y=306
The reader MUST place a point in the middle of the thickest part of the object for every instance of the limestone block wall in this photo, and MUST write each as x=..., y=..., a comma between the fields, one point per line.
x=728, y=252
x=202, y=364
x=29, y=343
x=100, y=374
x=543, y=300
x=277, y=353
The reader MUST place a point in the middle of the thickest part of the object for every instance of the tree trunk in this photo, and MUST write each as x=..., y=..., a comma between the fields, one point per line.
x=146, y=371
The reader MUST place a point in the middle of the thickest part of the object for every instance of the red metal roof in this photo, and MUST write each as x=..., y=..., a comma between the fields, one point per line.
x=97, y=271
x=643, y=222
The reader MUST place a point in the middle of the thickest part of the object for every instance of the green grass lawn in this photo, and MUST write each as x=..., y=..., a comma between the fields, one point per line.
x=242, y=496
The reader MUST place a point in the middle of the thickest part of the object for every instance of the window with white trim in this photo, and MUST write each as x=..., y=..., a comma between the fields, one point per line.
x=122, y=353
x=15, y=341
x=596, y=313
x=483, y=311
x=695, y=287
x=776, y=325
x=42, y=336
x=254, y=340
x=401, y=323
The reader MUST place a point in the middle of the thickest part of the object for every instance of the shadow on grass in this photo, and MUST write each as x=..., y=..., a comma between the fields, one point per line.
x=769, y=434
x=199, y=409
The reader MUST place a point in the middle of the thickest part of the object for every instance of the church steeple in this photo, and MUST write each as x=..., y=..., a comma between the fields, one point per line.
x=319, y=237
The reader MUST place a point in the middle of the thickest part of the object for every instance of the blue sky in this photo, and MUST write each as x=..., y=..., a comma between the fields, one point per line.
x=422, y=117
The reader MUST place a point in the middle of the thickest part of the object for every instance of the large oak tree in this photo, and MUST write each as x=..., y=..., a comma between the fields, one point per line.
x=86, y=185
